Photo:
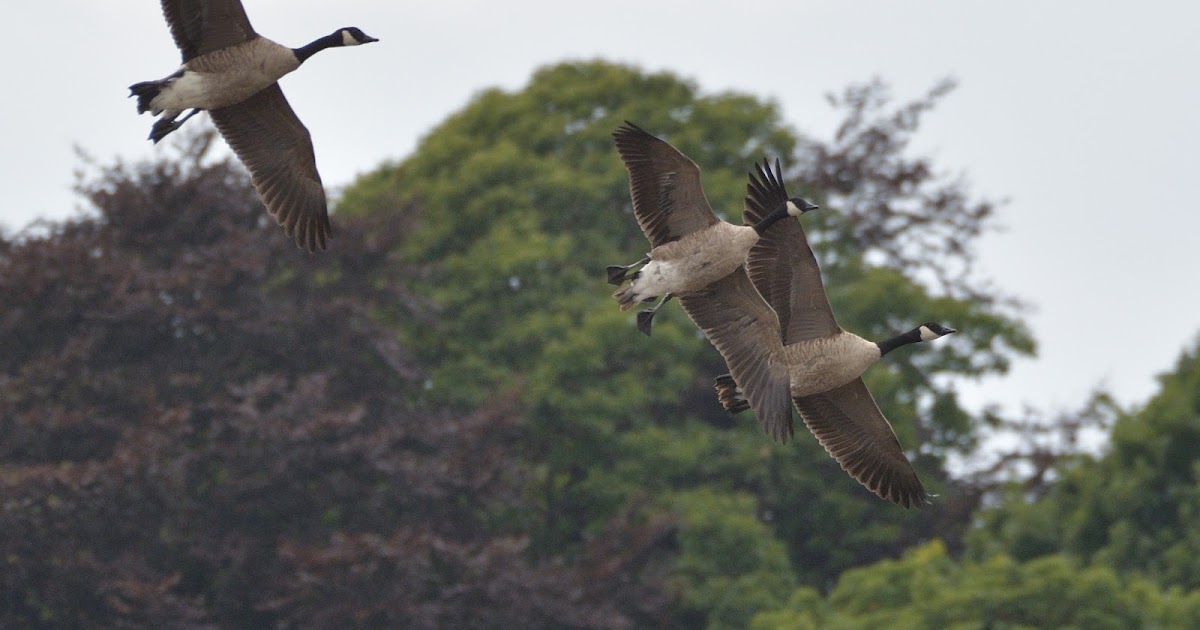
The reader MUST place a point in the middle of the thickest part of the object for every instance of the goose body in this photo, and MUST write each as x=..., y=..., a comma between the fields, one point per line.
x=223, y=77
x=772, y=323
x=231, y=72
x=690, y=246
x=690, y=263
x=824, y=363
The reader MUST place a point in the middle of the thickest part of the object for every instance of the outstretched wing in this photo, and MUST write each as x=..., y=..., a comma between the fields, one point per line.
x=276, y=148
x=782, y=265
x=848, y=423
x=668, y=199
x=202, y=26
x=745, y=331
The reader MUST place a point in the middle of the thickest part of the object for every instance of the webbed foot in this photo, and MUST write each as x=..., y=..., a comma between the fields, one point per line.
x=730, y=395
x=164, y=126
x=646, y=318
x=620, y=273
x=161, y=129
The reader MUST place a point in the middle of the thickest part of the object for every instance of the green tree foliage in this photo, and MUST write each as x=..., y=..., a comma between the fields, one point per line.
x=729, y=563
x=532, y=202
x=205, y=427
x=1133, y=508
x=928, y=589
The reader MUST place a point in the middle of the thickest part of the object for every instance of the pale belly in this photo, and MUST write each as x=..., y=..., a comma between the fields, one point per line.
x=694, y=262
x=206, y=90
x=226, y=77
x=680, y=276
x=822, y=364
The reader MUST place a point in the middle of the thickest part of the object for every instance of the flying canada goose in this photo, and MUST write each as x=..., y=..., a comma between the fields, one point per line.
x=231, y=71
x=788, y=349
x=690, y=246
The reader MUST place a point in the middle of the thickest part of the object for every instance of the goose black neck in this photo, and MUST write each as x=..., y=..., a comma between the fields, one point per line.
x=770, y=219
x=886, y=346
x=317, y=45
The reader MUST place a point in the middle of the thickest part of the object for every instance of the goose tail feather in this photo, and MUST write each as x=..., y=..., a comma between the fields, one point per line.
x=625, y=297
x=145, y=92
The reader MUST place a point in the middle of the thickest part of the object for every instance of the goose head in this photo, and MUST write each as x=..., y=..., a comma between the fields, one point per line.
x=933, y=330
x=353, y=36
x=797, y=206
x=792, y=207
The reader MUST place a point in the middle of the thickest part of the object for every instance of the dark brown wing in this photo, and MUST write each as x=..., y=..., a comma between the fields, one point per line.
x=275, y=146
x=745, y=331
x=202, y=26
x=782, y=265
x=849, y=424
x=668, y=199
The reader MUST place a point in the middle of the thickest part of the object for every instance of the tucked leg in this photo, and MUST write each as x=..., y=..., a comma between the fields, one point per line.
x=730, y=395
x=617, y=273
x=166, y=125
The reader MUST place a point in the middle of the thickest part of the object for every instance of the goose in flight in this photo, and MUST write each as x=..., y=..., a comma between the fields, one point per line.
x=772, y=323
x=690, y=246
x=231, y=71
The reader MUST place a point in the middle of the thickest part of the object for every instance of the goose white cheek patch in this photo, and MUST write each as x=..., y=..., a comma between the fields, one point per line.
x=792, y=209
x=928, y=335
x=348, y=39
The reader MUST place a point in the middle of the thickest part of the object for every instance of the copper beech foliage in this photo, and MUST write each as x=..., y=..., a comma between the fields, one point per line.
x=206, y=427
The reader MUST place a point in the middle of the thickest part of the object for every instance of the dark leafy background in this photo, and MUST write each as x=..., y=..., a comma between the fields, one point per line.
x=443, y=421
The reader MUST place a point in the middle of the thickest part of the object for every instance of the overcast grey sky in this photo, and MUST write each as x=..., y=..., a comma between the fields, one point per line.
x=1085, y=115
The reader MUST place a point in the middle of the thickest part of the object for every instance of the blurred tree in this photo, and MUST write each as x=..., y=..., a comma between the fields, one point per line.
x=205, y=427
x=1135, y=506
x=729, y=564
x=927, y=589
x=444, y=421
x=532, y=202
x=1078, y=541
